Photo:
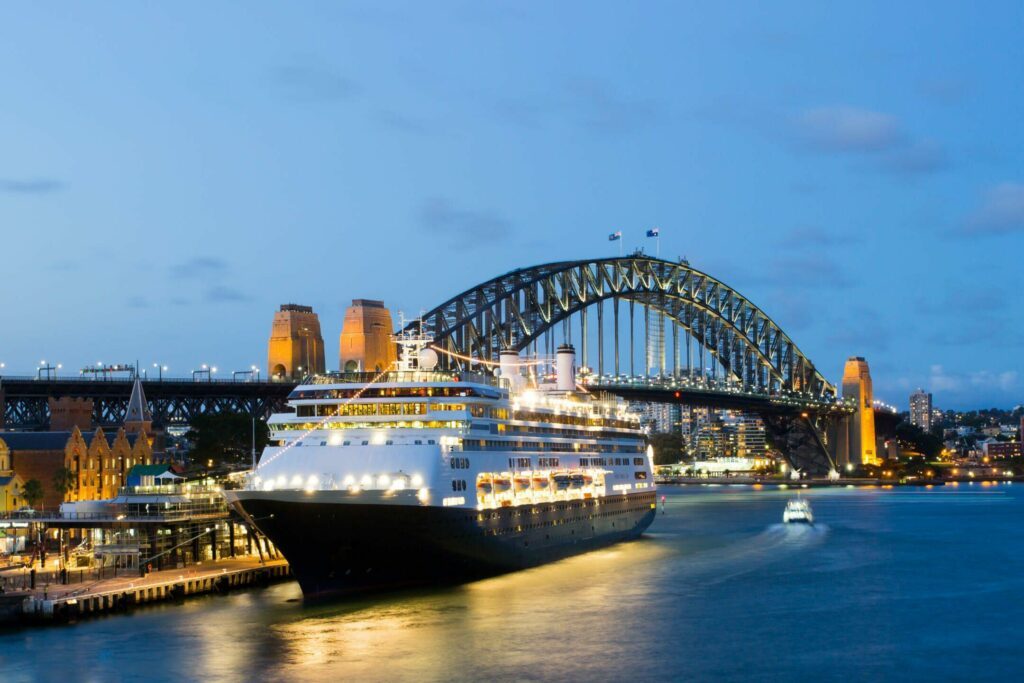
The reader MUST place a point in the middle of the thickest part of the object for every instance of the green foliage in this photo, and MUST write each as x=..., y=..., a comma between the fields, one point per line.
x=225, y=439
x=668, y=448
x=32, y=492
x=63, y=481
x=915, y=438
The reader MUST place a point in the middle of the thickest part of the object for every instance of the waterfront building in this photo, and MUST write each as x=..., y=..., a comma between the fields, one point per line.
x=296, y=347
x=1002, y=449
x=98, y=461
x=365, y=344
x=857, y=444
x=921, y=409
x=10, y=483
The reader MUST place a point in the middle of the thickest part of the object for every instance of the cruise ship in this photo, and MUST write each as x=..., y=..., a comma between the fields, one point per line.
x=420, y=476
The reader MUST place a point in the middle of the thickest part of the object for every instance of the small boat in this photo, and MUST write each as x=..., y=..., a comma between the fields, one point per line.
x=502, y=484
x=522, y=484
x=798, y=511
x=541, y=483
x=562, y=481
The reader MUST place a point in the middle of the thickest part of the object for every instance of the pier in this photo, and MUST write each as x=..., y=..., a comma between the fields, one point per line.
x=65, y=602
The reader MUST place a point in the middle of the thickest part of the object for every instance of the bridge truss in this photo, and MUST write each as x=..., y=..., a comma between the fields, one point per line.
x=723, y=332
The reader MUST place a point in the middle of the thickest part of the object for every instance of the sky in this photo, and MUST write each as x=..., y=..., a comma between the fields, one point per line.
x=170, y=173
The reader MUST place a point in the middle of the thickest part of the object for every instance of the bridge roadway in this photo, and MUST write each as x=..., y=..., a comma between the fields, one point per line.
x=178, y=401
x=24, y=400
x=716, y=394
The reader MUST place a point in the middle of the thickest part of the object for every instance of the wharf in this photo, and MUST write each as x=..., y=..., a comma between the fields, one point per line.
x=61, y=603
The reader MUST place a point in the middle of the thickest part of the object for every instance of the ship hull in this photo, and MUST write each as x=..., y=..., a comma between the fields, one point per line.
x=340, y=547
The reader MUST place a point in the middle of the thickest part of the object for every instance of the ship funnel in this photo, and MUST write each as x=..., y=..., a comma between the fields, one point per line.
x=565, y=368
x=509, y=364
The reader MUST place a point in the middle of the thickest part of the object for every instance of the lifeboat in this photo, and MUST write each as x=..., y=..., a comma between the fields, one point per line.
x=576, y=481
x=522, y=484
x=483, y=485
x=541, y=483
x=502, y=484
x=562, y=482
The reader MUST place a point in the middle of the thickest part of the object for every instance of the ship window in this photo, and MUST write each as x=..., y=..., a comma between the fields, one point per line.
x=365, y=442
x=346, y=443
x=389, y=442
x=640, y=475
x=430, y=442
x=639, y=462
x=418, y=442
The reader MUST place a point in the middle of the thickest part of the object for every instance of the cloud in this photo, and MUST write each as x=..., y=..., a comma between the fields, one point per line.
x=199, y=267
x=465, y=228
x=223, y=293
x=925, y=156
x=313, y=83
x=848, y=129
x=601, y=107
x=946, y=90
x=34, y=186
x=804, y=270
x=814, y=236
x=586, y=102
x=401, y=122
x=879, y=139
x=1001, y=212
x=941, y=380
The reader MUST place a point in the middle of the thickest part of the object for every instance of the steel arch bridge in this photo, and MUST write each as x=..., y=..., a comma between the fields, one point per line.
x=513, y=311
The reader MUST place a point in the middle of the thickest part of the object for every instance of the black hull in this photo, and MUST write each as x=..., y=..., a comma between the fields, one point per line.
x=344, y=548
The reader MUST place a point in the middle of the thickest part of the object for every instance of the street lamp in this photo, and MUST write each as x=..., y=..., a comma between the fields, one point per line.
x=161, y=369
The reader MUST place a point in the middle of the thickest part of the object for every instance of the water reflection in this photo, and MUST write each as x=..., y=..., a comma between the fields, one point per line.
x=717, y=585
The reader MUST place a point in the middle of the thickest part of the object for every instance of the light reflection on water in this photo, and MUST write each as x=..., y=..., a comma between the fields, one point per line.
x=719, y=588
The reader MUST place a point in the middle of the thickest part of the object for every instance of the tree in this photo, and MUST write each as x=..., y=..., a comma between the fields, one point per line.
x=63, y=481
x=225, y=439
x=32, y=492
x=668, y=448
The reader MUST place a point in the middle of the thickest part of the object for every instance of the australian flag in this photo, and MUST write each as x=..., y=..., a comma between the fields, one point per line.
x=653, y=232
x=615, y=236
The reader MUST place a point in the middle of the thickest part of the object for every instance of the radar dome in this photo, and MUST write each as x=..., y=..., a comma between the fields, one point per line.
x=427, y=359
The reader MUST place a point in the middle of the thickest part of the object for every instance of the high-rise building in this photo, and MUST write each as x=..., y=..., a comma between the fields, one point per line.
x=859, y=441
x=921, y=409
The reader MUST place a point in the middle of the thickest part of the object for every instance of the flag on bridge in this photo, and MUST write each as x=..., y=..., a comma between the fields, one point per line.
x=653, y=232
x=615, y=236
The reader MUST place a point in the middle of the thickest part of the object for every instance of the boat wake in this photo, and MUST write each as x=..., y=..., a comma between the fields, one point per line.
x=777, y=543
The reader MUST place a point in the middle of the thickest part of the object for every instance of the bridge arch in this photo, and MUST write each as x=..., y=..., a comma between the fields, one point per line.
x=513, y=310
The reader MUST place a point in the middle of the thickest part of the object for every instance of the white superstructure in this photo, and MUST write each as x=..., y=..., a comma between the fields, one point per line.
x=473, y=441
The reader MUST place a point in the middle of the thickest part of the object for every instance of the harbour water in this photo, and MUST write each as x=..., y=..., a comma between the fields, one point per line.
x=907, y=584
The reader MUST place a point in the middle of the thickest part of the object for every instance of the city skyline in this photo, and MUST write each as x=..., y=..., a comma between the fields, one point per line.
x=854, y=172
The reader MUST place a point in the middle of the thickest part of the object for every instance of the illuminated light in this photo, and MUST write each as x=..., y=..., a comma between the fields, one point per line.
x=423, y=495
x=383, y=481
x=280, y=481
x=296, y=481
x=354, y=488
x=377, y=439
x=312, y=483
x=334, y=439
x=268, y=486
x=348, y=481
x=366, y=481
x=398, y=484
x=417, y=481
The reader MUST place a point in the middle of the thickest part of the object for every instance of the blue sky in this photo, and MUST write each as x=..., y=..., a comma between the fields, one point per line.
x=170, y=173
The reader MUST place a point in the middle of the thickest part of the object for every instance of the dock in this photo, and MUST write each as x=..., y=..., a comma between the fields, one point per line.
x=62, y=603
